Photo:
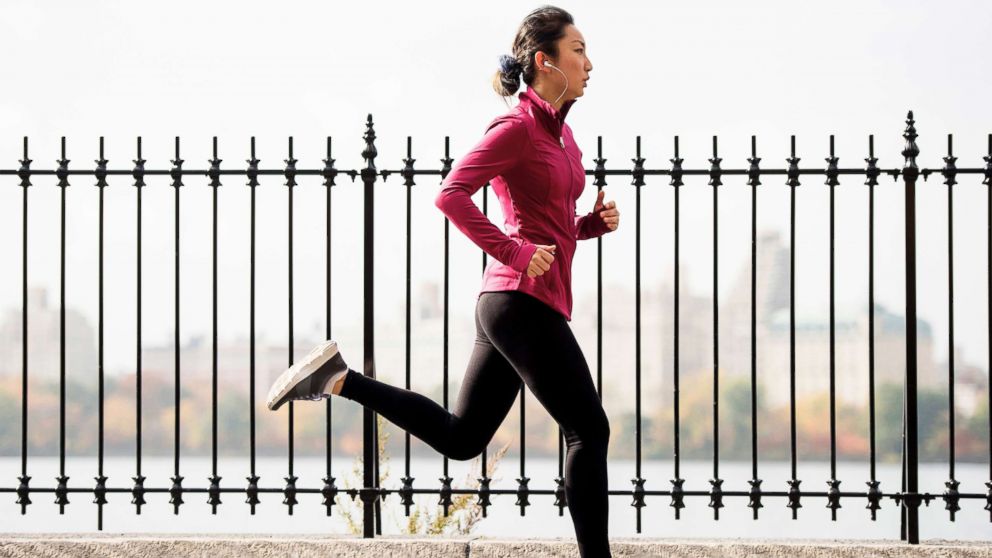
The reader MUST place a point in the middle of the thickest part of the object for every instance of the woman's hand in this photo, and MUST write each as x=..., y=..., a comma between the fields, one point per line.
x=541, y=260
x=608, y=212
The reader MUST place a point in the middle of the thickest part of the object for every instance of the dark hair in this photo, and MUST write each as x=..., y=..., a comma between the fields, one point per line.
x=540, y=31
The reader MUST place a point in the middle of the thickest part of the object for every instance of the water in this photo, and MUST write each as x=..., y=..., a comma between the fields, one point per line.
x=504, y=519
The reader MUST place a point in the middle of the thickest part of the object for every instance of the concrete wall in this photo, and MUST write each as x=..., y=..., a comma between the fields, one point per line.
x=223, y=546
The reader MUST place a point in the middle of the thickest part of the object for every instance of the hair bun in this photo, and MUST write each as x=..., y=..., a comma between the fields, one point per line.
x=509, y=65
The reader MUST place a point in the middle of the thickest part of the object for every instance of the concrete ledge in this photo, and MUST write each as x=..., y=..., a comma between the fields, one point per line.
x=305, y=546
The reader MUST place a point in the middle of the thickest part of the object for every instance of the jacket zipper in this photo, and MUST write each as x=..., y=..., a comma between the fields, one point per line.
x=561, y=140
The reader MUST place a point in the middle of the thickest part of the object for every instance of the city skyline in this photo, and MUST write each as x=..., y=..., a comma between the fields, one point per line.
x=271, y=355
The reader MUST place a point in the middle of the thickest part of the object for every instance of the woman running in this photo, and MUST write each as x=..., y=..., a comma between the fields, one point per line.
x=522, y=312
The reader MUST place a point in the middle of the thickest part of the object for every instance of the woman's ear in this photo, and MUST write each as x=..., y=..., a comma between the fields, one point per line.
x=540, y=58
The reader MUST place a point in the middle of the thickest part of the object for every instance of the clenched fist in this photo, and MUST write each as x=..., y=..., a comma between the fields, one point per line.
x=541, y=260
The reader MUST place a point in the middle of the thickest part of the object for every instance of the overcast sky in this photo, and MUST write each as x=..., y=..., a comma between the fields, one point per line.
x=310, y=70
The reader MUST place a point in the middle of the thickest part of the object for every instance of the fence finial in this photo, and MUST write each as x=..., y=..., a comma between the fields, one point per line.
x=715, y=171
x=176, y=173
x=793, y=171
x=753, y=171
x=139, y=167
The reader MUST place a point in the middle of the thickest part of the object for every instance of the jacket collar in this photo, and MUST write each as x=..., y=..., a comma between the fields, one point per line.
x=554, y=117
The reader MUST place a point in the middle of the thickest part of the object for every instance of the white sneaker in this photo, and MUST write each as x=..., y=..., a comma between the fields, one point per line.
x=307, y=379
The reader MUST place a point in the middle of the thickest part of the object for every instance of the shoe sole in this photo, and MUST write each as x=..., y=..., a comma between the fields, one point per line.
x=288, y=380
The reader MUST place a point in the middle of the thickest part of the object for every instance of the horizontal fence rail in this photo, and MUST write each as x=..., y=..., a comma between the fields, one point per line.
x=908, y=496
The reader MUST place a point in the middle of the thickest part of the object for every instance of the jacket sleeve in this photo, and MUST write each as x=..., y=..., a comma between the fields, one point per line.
x=590, y=225
x=496, y=152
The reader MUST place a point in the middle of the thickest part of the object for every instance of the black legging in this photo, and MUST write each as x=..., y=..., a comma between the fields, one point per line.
x=517, y=337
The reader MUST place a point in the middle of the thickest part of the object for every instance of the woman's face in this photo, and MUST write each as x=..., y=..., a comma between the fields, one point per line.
x=573, y=62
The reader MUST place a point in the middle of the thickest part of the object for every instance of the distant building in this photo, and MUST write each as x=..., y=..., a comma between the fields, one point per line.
x=657, y=341
x=43, y=340
x=971, y=384
x=695, y=331
x=233, y=361
x=429, y=302
x=812, y=338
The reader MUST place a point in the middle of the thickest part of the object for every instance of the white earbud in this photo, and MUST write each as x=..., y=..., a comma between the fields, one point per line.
x=547, y=63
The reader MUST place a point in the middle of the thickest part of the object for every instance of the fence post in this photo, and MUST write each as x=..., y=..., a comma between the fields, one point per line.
x=23, y=487
x=370, y=452
x=910, y=497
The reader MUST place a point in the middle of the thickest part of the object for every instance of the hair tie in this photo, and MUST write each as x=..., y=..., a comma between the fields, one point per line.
x=509, y=65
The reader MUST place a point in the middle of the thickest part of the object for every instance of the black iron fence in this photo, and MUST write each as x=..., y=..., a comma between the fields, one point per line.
x=909, y=496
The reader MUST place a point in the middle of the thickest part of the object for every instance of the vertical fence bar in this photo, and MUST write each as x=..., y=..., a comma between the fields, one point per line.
x=376, y=515
x=484, y=480
x=289, y=491
x=523, y=492
x=678, y=496
x=872, y=172
x=637, y=481
x=23, y=490
x=951, y=495
x=559, y=480
x=444, y=496
x=253, y=478
x=406, y=492
x=987, y=182
x=329, y=491
x=600, y=182
x=213, y=497
x=522, y=480
x=176, y=491
x=793, y=182
x=716, y=483
x=833, y=491
x=61, y=490
x=911, y=500
x=370, y=443
x=902, y=490
x=753, y=180
x=100, y=491
x=444, y=499
x=138, y=489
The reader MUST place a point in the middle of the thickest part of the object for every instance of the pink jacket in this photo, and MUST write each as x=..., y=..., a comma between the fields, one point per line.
x=535, y=168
